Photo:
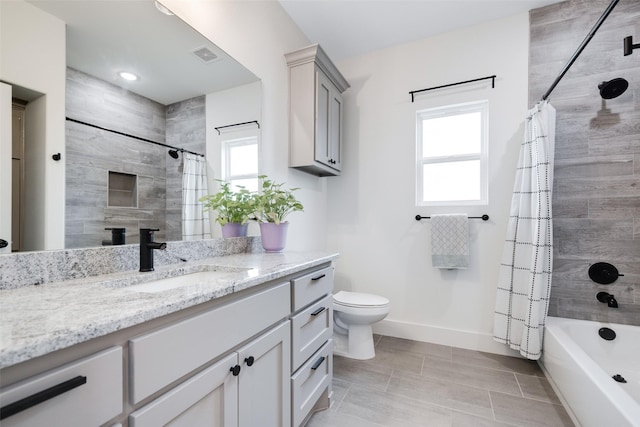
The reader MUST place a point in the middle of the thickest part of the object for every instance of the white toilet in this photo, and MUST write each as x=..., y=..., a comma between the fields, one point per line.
x=353, y=315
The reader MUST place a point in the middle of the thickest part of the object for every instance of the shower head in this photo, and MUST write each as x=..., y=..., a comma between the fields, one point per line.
x=613, y=88
x=173, y=153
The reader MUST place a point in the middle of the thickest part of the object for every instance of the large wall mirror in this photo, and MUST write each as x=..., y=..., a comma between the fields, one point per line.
x=117, y=179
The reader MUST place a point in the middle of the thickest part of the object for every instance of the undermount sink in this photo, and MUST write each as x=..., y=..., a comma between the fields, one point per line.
x=208, y=276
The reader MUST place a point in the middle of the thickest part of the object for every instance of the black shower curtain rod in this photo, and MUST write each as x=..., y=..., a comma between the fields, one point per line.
x=578, y=51
x=182, y=150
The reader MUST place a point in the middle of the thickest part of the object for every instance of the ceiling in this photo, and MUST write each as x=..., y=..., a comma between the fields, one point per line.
x=105, y=37
x=348, y=28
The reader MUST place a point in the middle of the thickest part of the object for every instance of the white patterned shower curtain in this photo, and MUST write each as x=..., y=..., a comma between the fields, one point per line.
x=524, y=283
x=195, y=219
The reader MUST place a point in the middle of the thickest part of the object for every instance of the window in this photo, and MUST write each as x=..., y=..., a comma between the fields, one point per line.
x=240, y=162
x=452, y=155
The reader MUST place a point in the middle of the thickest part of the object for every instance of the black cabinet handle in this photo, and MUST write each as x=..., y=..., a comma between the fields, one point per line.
x=317, y=364
x=318, y=311
x=235, y=370
x=41, y=396
x=249, y=360
x=318, y=278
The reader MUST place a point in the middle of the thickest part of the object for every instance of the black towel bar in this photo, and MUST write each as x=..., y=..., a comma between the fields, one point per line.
x=484, y=217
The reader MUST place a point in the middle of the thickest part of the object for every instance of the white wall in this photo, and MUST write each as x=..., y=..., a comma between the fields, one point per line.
x=29, y=38
x=384, y=250
x=258, y=34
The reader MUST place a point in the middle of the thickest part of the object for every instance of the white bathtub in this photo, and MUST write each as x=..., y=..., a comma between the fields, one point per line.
x=580, y=365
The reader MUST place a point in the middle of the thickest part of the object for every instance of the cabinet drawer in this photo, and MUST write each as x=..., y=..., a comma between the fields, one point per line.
x=161, y=357
x=310, y=328
x=311, y=380
x=309, y=288
x=96, y=397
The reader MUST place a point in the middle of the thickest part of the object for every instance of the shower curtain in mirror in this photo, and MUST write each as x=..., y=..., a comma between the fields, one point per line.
x=195, y=219
x=524, y=283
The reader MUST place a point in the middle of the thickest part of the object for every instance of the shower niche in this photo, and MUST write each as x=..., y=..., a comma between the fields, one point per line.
x=123, y=190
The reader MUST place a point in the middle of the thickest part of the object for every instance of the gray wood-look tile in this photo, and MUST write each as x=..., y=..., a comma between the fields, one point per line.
x=361, y=372
x=442, y=392
x=398, y=360
x=527, y=412
x=401, y=398
x=476, y=376
x=496, y=361
x=392, y=410
x=425, y=348
x=595, y=140
x=461, y=419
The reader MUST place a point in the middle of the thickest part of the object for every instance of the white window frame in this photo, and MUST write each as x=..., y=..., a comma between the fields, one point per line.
x=452, y=110
x=227, y=145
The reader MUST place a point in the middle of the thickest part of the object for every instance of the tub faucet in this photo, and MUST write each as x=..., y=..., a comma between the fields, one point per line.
x=147, y=245
x=608, y=298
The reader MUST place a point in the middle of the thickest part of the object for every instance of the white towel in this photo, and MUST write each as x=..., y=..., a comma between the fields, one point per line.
x=450, y=241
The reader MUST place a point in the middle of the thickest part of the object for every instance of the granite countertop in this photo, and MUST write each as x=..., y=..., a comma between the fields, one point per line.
x=36, y=320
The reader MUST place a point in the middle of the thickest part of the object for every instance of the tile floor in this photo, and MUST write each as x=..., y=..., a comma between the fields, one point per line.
x=412, y=383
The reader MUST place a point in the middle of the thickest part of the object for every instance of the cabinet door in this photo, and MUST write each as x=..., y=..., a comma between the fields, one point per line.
x=264, y=393
x=206, y=400
x=335, y=129
x=324, y=89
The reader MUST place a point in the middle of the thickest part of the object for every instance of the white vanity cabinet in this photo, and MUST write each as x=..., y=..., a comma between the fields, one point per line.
x=86, y=392
x=246, y=388
x=311, y=344
x=315, y=112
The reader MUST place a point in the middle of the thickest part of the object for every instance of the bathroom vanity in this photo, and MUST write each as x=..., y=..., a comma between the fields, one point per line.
x=239, y=340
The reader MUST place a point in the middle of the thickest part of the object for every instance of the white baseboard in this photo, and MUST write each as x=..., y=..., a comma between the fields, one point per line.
x=443, y=336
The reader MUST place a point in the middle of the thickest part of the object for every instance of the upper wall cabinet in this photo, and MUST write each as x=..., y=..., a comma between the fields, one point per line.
x=315, y=112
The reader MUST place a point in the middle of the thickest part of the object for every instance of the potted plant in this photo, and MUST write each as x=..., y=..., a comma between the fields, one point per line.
x=273, y=204
x=234, y=208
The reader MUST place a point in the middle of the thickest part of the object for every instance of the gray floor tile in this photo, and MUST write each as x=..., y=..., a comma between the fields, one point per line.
x=496, y=361
x=335, y=419
x=443, y=393
x=429, y=349
x=397, y=360
x=340, y=389
x=527, y=412
x=460, y=419
x=490, y=379
x=359, y=372
x=392, y=410
x=537, y=388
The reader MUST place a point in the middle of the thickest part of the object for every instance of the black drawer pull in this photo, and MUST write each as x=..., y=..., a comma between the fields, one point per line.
x=318, y=278
x=41, y=396
x=318, y=311
x=249, y=360
x=235, y=370
x=317, y=364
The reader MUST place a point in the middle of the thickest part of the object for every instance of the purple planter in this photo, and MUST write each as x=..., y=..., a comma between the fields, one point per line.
x=234, y=229
x=274, y=236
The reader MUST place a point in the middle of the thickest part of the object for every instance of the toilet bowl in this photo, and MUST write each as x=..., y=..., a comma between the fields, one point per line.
x=353, y=315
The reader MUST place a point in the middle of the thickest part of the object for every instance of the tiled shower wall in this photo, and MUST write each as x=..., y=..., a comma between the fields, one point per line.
x=596, y=201
x=91, y=153
x=185, y=129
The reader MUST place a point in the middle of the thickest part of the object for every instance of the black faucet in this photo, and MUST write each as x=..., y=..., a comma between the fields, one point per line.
x=608, y=298
x=117, y=237
x=147, y=245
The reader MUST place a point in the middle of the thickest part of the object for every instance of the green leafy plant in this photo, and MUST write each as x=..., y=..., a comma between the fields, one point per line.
x=275, y=203
x=231, y=206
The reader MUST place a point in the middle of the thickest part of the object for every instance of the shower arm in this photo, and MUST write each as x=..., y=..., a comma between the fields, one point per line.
x=578, y=51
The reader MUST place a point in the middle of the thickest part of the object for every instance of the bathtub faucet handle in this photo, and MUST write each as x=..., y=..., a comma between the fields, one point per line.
x=608, y=298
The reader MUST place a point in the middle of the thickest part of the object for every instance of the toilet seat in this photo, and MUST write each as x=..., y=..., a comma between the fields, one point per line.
x=359, y=300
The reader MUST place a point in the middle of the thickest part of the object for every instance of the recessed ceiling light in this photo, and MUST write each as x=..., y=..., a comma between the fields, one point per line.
x=163, y=9
x=128, y=76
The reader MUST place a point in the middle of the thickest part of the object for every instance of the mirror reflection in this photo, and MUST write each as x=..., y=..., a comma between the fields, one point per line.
x=165, y=101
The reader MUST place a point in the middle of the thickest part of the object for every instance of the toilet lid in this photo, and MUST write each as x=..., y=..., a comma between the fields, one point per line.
x=358, y=299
